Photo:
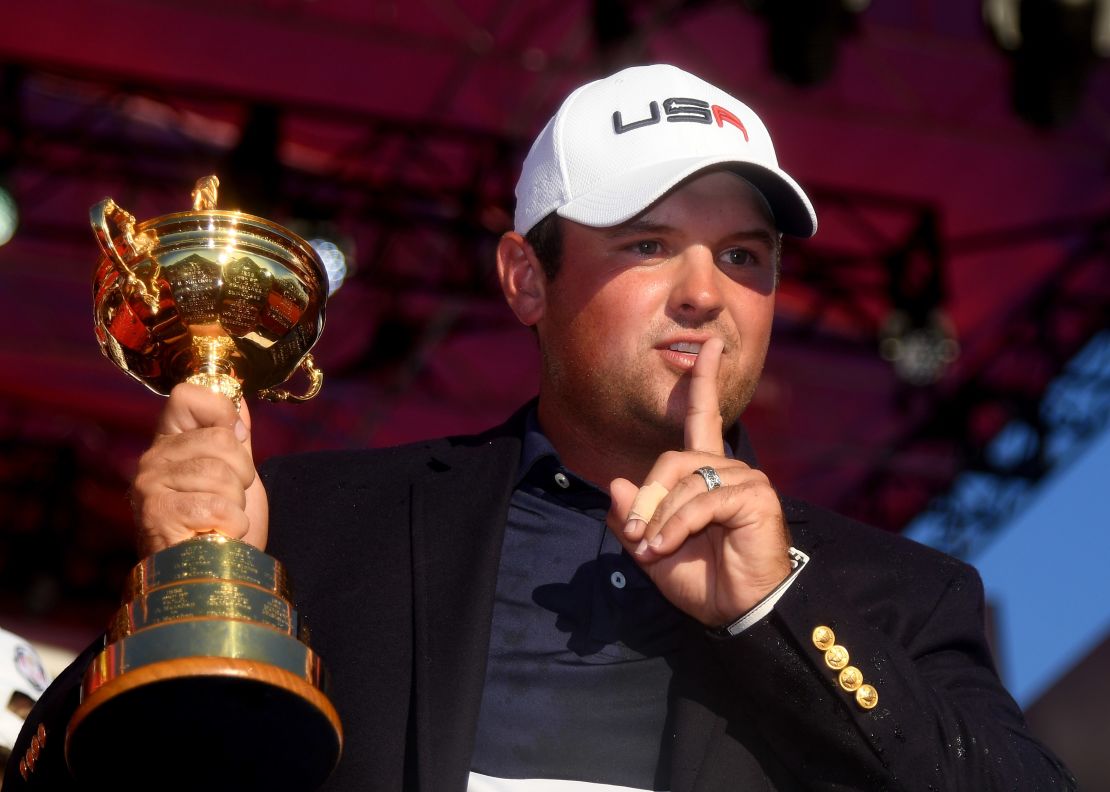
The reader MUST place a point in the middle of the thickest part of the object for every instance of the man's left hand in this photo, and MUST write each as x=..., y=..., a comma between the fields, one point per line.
x=713, y=554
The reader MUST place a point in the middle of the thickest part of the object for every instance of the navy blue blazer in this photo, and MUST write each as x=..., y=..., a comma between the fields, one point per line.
x=393, y=555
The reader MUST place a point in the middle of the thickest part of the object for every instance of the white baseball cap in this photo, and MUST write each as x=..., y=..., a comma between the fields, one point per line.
x=617, y=145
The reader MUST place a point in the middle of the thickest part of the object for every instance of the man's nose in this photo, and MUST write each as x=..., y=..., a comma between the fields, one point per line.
x=696, y=291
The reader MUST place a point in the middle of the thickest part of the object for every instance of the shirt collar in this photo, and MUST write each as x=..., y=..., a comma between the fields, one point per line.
x=535, y=447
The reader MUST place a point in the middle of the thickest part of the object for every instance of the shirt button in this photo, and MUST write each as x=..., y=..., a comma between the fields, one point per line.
x=617, y=579
x=562, y=480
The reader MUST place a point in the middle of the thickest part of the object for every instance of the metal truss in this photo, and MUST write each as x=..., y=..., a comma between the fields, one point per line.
x=1032, y=396
x=425, y=202
x=1039, y=439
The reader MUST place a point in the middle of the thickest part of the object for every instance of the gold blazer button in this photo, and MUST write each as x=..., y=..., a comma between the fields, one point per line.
x=851, y=678
x=823, y=638
x=836, y=657
x=867, y=697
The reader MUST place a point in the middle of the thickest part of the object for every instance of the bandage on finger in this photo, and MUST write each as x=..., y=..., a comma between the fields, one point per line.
x=647, y=501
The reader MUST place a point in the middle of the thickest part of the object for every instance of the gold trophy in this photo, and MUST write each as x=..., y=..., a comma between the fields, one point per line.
x=206, y=680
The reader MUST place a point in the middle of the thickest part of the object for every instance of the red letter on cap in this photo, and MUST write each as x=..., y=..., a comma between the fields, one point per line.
x=723, y=115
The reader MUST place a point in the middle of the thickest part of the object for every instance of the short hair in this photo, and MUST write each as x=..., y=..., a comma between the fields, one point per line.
x=546, y=240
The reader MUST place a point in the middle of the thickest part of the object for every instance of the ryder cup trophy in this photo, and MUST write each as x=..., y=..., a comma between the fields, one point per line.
x=206, y=680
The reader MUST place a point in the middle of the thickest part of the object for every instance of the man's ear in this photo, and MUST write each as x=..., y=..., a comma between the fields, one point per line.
x=522, y=278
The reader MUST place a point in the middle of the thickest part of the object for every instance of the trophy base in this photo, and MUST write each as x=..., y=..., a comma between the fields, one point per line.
x=205, y=723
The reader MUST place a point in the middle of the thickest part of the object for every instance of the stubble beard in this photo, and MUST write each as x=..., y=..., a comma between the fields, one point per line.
x=631, y=410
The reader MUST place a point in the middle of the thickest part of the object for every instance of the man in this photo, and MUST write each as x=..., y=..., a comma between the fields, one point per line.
x=601, y=594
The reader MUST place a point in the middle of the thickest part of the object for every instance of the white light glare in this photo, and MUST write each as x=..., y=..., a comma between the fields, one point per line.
x=9, y=216
x=335, y=262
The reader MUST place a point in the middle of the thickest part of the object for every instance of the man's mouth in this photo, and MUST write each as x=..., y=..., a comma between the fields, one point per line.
x=681, y=354
x=691, y=347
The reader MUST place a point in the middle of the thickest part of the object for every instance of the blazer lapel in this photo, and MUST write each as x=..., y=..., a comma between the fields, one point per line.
x=458, y=522
x=717, y=743
x=696, y=726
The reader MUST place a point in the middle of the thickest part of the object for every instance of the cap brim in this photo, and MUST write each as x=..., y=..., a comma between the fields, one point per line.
x=628, y=195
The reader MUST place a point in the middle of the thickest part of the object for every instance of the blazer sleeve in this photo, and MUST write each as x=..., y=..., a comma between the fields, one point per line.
x=912, y=622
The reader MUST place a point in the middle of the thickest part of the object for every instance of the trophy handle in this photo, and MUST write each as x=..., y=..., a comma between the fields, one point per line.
x=315, y=382
x=105, y=217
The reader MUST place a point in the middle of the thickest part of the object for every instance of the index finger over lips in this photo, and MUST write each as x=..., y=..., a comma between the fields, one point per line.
x=703, y=427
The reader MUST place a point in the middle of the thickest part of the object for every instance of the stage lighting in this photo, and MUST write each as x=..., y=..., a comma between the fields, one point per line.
x=920, y=353
x=917, y=337
x=804, y=35
x=613, y=25
x=11, y=141
x=335, y=261
x=1054, y=46
x=9, y=216
x=251, y=177
x=335, y=249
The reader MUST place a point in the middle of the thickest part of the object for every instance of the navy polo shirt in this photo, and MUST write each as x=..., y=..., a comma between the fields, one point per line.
x=577, y=679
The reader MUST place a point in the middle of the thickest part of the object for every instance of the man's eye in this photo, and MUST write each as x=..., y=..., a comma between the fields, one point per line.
x=740, y=257
x=647, y=247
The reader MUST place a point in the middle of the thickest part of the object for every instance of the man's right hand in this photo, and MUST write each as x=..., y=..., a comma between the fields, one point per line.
x=199, y=476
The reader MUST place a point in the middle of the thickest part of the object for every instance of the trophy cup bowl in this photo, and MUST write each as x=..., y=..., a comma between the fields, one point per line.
x=206, y=680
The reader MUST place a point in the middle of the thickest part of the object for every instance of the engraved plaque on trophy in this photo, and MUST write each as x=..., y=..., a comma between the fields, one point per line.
x=206, y=680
